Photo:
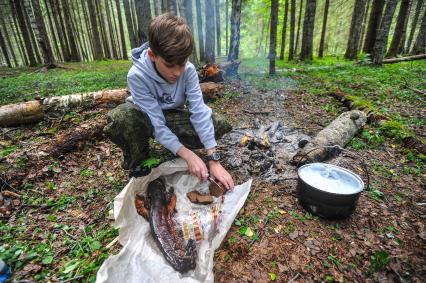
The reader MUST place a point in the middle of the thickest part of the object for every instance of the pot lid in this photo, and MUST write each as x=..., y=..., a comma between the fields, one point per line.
x=331, y=178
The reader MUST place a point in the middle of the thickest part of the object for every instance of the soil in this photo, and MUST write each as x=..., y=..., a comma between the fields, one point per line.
x=289, y=244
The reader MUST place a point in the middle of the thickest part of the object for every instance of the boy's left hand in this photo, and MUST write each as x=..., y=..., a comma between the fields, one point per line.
x=219, y=173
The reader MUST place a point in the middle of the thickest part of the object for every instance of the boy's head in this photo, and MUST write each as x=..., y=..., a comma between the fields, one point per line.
x=171, y=43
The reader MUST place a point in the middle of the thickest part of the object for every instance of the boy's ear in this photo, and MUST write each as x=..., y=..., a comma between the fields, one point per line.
x=151, y=55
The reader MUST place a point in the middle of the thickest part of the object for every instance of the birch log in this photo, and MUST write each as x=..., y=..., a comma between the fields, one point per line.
x=339, y=132
x=57, y=106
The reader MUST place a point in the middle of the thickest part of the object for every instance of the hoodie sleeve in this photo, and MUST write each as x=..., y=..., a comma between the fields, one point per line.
x=149, y=104
x=201, y=114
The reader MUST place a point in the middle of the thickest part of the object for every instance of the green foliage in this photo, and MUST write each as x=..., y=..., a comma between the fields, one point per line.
x=379, y=260
x=7, y=150
x=151, y=162
x=395, y=129
x=76, y=78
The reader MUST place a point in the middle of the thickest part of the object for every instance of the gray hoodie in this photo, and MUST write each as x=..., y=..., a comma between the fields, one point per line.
x=152, y=94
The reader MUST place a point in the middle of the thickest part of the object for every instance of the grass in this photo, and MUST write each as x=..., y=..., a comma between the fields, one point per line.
x=26, y=84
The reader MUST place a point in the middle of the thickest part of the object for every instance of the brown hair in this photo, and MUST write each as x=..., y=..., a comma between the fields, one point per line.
x=170, y=38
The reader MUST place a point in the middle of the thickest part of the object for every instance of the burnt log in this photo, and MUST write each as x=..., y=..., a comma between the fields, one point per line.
x=210, y=73
x=338, y=132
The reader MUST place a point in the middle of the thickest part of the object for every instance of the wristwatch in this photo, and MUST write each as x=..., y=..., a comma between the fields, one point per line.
x=215, y=156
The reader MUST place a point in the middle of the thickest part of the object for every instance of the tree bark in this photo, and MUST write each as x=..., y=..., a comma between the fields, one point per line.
x=129, y=23
x=70, y=34
x=8, y=42
x=43, y=40
x=308, y=31
x=339, y=132
x=102, y=28
x=110, y=21
x=292, y=26
x=57, y=106
x=32, y=27
x=383, y=33
x=210, y=58
x=18, y=34
x=414, y=24
x=4, y=50
x=226, y=27
x=171, y=6
x=218, y=41
x=363, y=24
x=420, y=44
x=324, y=27
x=399, y=29
x=200, y=31
x=284, y=30
x=355, y=31
x=98, y=55
x=24, y=30
x=273, y=36
x=53, y=31
x=187, y=11
x=373, y=25
x=122, y=36
x=299, y=21
x=234, y=43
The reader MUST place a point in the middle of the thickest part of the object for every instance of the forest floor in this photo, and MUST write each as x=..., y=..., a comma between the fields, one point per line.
x=59, y=226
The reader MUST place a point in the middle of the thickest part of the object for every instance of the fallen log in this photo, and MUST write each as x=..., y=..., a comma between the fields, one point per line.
x=57, y=106
x=402, y=59
x=339, y=132
x=211, y=73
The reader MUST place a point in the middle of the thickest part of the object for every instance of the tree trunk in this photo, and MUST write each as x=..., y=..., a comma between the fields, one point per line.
x=420, y=44
x=171, y=6
x=42, y=38
x=24, y=30
x=110, y=21
x=31, y=23
x=18, y=34
x=78, y=29
x=399, y=29
x=200, y=31
x=98, y=55
x=292, y=24
x=70, y=34
x=218, y=41
x=414, y=24
x=59, y=24
x=52, y=31
x=8, y=41
x=299, y=21
x=129, y=23
x=355, y=31
x=383, y=33
x=373, y=25
x=143, y=12
x=122, y=36
x=234, y=42
x=284, y=30
x=402, y=45
x=100, y=11
x=187, y=12
x=308, y=31
x=273, y=36
x=4, y=50
x=324, y=27
x=210, y=57
x=89, y=31
x=226, y=27
x=364, y=19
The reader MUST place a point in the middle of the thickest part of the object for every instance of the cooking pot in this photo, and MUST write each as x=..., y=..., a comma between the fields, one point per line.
x=328, y=190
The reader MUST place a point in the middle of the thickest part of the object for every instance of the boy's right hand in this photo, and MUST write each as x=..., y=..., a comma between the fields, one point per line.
x=196, y=165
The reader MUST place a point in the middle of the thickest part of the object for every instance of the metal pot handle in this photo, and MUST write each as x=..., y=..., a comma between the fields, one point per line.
x=338, y=148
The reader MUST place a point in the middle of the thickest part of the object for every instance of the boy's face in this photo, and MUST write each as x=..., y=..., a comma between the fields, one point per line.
x=171, y=72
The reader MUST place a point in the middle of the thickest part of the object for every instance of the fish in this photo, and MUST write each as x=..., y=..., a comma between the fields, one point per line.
x=162, y=206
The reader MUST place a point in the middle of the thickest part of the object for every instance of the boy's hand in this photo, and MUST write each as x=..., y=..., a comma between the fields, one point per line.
x=219, y=173
x=196, y=166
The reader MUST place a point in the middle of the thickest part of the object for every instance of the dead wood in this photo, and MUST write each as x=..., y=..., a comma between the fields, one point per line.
x=210, y=73
x=402, y=59
x=211, y=90
x=216, y=190
x=338, y=132
x=67, y=142
x=58, y=106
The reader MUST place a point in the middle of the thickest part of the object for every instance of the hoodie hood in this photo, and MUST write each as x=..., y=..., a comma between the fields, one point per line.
x=144, y=64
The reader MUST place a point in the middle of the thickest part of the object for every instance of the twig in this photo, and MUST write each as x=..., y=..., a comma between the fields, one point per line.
x=71, y=279
x=294, y=278
x=112, y=243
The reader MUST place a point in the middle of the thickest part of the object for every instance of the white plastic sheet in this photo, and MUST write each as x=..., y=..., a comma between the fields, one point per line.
x=140, y=260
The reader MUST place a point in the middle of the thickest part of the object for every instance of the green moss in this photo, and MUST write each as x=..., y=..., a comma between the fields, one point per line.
x=396, y=130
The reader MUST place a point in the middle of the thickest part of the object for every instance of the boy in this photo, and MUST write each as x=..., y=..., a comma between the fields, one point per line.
x=160, y=81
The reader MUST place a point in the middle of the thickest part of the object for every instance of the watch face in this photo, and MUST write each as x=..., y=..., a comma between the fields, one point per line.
x=214, y=156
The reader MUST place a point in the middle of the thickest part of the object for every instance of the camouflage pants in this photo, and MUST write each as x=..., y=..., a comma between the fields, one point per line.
x=130, y=129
